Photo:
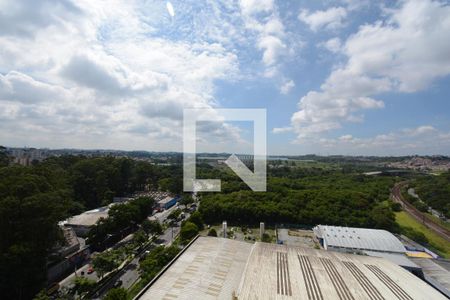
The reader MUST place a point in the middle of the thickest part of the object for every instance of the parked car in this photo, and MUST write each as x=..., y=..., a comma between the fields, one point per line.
x=118, y=283
x=90, y=270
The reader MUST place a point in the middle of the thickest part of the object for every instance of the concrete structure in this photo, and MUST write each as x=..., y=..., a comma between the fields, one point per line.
x=82, y=223
x=261, y=230
x=224, y=229
x=167, y=202
x=217, y=268
x=349, y=239
x=436, y=273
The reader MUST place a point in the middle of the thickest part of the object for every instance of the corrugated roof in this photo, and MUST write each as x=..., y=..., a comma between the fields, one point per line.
x=359, y=238
x=217, y=268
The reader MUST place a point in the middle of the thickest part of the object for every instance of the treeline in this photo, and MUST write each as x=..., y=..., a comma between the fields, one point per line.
x=330, y=198
x=434, y=191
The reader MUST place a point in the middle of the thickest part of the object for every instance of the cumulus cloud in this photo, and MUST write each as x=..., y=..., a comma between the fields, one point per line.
x=262, y=18
x=331, y=18
x=405, y=53
x=97, y=76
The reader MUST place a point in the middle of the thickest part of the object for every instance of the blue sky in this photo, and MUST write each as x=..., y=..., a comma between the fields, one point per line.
x=336, y=77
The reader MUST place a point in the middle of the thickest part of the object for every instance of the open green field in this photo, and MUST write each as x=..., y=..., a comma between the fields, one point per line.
x=437, y=242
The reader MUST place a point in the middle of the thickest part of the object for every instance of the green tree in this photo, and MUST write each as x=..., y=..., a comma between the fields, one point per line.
x=42, y=295
x=197, y=219
x=105, y=262
x=84, y=285
x=152, y=227
x=188, y=231
x=117, y=294
x=140, y=237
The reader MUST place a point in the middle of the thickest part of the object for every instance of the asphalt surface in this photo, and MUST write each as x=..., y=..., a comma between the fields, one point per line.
x=416, y=214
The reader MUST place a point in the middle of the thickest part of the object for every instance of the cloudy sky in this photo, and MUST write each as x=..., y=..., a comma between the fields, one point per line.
x=336, y=77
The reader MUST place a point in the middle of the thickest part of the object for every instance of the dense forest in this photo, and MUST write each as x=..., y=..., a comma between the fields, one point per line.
x=434, y=191
x=34, y=199
x=305, y=196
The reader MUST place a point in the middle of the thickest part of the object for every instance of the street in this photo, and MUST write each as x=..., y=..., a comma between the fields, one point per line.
x=130, y=273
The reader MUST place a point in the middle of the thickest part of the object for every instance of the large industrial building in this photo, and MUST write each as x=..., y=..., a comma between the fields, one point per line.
x=218, y=268
x=351, y=239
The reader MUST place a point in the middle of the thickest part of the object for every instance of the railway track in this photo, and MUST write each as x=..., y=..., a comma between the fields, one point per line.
x=416, y=214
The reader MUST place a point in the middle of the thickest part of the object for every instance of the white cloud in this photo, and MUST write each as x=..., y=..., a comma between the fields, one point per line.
x=250, y=7
x=332, y=45
x=98, y=77
x=277, y=130
x=287, y=86
x=332, y=18
x=262, y=18
x=405, y=53
x=170, y=9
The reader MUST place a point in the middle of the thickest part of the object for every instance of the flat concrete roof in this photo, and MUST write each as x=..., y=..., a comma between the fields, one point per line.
x=218, y=268
x=359, y=238
x=210, y=268
x=88, y=218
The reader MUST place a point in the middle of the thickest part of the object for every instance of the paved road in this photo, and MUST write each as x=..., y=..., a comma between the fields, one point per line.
x=130, y=273
x=419, y=216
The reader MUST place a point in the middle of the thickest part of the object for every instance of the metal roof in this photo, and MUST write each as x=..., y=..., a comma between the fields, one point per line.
x=218, y=268
x=358, y=238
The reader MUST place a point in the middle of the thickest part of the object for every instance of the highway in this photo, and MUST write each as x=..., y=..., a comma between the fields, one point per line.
x=416, y=214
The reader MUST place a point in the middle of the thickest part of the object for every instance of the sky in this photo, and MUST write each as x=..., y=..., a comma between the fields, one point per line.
x=335, y=77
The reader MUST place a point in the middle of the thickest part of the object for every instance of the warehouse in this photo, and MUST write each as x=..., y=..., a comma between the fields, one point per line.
x=350, y=239
x=218, y=268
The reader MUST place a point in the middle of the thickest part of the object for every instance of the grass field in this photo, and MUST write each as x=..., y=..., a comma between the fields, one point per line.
x=437, y=242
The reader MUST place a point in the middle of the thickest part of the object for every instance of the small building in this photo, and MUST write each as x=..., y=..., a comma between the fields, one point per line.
x=82, y=223
x=167, y=202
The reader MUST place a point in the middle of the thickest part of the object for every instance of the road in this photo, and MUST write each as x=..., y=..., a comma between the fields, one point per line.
x=130, y=273
x=416, y=214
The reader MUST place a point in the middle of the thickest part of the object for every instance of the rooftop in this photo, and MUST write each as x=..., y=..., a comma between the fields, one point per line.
x=359, y=238
x=88, y=218
x=210, y=268
x=217, y=268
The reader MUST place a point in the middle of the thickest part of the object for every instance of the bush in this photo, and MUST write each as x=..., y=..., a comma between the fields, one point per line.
x=266, y=238
x=116, y=294
x=212, y=232
x=188, y=231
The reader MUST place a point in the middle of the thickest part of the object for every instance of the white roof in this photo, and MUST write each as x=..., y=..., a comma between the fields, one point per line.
x=88, y=218
x=359, y=238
